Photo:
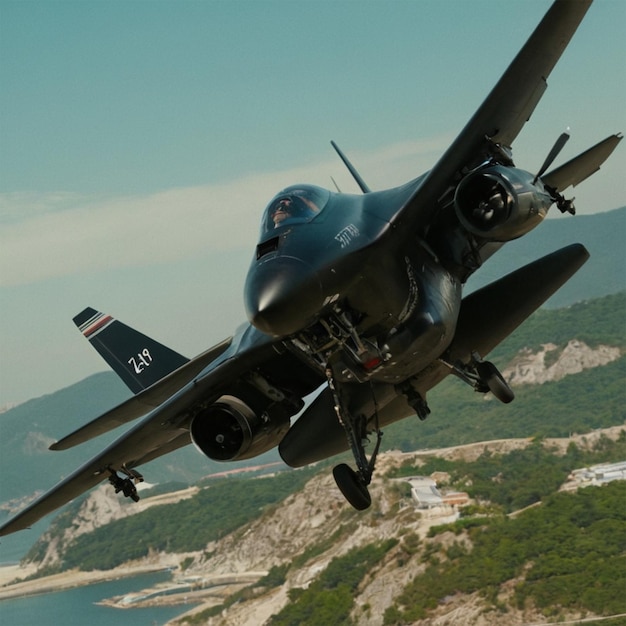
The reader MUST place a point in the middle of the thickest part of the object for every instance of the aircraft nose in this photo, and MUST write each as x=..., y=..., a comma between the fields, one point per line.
x=282, y=295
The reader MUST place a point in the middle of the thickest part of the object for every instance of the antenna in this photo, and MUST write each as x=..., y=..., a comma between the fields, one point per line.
x=556, y=148
x=360, y=182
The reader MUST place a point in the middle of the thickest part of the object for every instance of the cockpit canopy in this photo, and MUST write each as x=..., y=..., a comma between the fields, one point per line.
x=294, y=205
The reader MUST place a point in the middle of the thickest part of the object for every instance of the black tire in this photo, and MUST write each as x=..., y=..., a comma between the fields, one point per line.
x=500, y=389
x=497, y=385
x=352, y=487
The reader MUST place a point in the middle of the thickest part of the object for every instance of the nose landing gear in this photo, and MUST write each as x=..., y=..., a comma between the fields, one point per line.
x=354, y=484
x=483, y=376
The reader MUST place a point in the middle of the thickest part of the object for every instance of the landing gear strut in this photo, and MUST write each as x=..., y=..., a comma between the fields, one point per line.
x=126, y=485
x=483, y=376
x=353, y=484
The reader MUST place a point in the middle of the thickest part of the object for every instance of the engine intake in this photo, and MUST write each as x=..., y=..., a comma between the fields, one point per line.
x=500, y=203
x=229, y=429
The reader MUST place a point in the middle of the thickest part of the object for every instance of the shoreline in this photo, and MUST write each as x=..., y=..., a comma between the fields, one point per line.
x=197, y=590
x=170, y=593
x=13, y=586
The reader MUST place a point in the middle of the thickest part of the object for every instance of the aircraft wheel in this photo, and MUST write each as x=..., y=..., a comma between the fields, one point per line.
x=496, y=383
x=352, y=487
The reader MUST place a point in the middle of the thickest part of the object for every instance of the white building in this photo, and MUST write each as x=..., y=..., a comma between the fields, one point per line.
x=599, y=474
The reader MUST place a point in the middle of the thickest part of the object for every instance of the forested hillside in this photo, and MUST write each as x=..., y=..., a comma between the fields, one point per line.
x=522, y=551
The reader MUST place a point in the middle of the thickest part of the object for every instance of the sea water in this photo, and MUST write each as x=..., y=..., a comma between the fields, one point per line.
x=77, y=607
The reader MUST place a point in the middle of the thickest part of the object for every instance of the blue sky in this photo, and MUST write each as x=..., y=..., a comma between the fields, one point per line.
x=140, y=141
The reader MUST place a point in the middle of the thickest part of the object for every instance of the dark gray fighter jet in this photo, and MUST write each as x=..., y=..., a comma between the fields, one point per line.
x=358, y=296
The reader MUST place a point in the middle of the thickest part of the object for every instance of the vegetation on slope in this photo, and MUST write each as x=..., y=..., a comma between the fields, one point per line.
x=566, y=554
x=185, y=526
x=595, y=322
x=520, y=478
x=595, y=398
x=329, y=599
x=552, y=551
x=542, y=558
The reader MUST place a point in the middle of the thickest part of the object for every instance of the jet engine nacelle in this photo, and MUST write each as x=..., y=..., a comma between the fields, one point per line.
x=499, y=203
x=230, y=430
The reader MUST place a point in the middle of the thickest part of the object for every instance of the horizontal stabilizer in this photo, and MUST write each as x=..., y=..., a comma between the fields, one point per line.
x=138, y=360
x=143, y=402
x=581, y=167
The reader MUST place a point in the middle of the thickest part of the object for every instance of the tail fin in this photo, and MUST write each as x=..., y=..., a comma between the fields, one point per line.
x=138, y=360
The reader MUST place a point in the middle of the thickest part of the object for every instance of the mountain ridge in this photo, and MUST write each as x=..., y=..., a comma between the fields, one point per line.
x=602, y=234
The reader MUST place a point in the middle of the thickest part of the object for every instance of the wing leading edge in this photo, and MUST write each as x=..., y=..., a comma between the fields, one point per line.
x=502, y=115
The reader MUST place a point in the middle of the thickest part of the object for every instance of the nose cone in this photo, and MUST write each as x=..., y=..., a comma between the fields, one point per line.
x=282, y=295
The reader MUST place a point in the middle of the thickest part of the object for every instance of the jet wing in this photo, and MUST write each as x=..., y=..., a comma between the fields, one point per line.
x=166, y=428
x=503, y=113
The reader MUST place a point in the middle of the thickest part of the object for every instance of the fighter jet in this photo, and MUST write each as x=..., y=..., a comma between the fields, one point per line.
x=358, y=297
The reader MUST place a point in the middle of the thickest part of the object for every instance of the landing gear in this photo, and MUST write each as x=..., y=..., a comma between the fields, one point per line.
x=416, y=401
x=483, y=376
x=352, y=487
x=490, y=376
x=126, y=485
x=353, y=484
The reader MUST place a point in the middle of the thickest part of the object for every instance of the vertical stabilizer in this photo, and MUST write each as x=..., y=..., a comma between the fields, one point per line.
x=138, y=360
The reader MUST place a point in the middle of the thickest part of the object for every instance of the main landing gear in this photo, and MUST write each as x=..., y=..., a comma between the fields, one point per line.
x=483, y=376
x=353, y=484
x=126, y=485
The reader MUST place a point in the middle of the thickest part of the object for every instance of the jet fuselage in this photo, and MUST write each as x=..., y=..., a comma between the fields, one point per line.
x=343, y=281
